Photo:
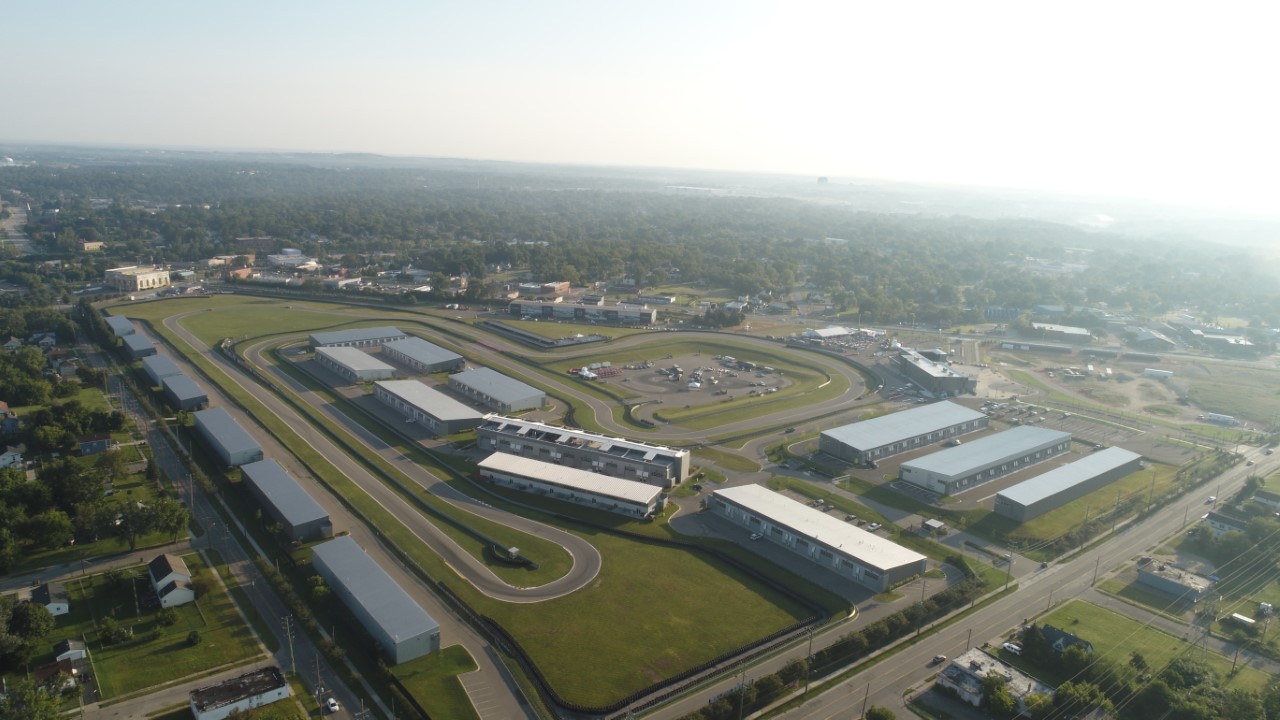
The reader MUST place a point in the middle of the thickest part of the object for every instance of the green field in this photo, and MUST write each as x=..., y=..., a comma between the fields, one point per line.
x=1115, y=636
x=1245, y=391
x=156, y=654
x=435, y=677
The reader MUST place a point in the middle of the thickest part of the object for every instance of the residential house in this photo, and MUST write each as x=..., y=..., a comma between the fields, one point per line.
x=12, y=456
x=1059, y=640
x=53, y=596
x=70, y=650
x=47, y=675
x=1221, y=523
x=13, y=343
x=171, y=580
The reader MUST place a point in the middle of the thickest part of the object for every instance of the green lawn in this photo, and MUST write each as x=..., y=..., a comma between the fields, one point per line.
x=553, y=330
x=727, y=460
x=1245, y=391
x=1115, y=636
x=1135, y=488
x=156, y=654
x=433, y=681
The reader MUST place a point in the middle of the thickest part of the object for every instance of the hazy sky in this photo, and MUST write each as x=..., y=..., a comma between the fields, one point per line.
x=1174, y=101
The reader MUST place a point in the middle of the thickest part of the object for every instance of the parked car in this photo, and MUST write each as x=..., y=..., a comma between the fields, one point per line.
x=331, y=705
x=1014, y=648
x=938, y=659
x=873, y=527
x=1211, y=500
x=756, y=536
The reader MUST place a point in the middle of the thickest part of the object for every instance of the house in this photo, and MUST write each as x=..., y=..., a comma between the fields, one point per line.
x=53, y=596
x=12, y=456
x=1268, y=498
x=1060, y=640
x=1221, y=523
x=13, y=343
x=171, y=580
x=43, y=340
x=46, y=675
x=70, y=650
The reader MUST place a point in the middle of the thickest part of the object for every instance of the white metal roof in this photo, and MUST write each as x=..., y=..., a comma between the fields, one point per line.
x=1060, y=478
x=496, y=385
x=397, y=614
x=604, y=485
x=356, y=335
x=225, y=431
x=869, y=548
x=985, y=451
x=353, y=359
x=899, y=426
x=422, y=351
x=283, y=492
x=432, y=402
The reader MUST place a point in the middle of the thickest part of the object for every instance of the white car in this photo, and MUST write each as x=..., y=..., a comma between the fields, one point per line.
x=331, y=705
x=756, y=536
x=1014, y=648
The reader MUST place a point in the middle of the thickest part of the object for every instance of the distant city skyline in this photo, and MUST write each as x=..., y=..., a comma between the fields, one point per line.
x=1140, y=100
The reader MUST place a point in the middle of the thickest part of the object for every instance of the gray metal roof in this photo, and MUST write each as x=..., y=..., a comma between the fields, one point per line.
x=595, y=483
x=136, y=343
x=1060, y=478
x=496, y=385
x=283, y=492
x=889, y=429
x=423, y=351
x=432, y=402
x=354, y=359
x=225, y=431
x=356, y=335
x=120, y=325
x=382, y=598
x=160, y=366
x=183, y=388
x=988, y=450
x=867, y=547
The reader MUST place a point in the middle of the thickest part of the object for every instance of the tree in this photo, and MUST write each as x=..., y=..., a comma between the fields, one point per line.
x=1039, y=705
x=996, y=696
x=1077, y=699
x=875, y=712
x=50, y=529
x=27, y=701
x=169, y=516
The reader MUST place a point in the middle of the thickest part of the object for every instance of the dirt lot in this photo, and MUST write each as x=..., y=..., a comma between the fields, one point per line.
x=716, y=381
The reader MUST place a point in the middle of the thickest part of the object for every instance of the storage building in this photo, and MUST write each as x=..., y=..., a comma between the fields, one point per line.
x=575, y=312
x=935, y=376
x=182, y=393
x=961, y=468
x=229, y=442
x=120, y=325
x=422, y=356
x=601, y=492
x=628, y=459
x=159, y=367
x=832, y=544
x=244, y=693
x=434, y=410
x=1178, y=583
x=492, y=388
x=357, y=337
x=402, y=629
x=287, y=502
x=899, y=432
x=138, y=346
x=353, y=364
x=1049, y=491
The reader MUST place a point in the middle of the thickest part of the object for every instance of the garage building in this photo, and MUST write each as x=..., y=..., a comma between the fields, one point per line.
x=938, y=378
x=434, y=410
x=961, y=468
x=120, y=325
x=357, y=337
x=1038, y=495
x=899, y=432
x=353, y=365
x=422, y=356
x=402, y=629
x=287, y=502
x=244, y=693
x=138, y=346
x=601, y=492
x=224, y=436
x=496, y=390
x=182, y=393
x=627, y=459
x=835, y=545
x=159, y=367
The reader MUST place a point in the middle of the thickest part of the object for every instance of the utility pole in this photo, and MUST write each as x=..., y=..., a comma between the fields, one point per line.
x=742, y=692
x=287, y=622
x=1009, y=574
x=920, y=622
x=808, y=663
x=1096, y=565
x=968, y=639
x=864, y=701
x=1115, y=513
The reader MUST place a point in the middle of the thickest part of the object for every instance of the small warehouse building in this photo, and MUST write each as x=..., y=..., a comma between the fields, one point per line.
x=422, y=356
x=964, y=467
x=229, y=442
x=934, y=376
x=601, y=492
x=1049, y=491
x=899, y=432
x=432, y=409
x=357, y=337
x=159, y=367
x=138, y=346
x=402, y=629
x=353, y=365
x=244, y=693
x=182, y=393
x=619, y=314
x=287, y=502
x=835, y=545
x=120, y=325
x=628, y=459
x=1181, y=584
x=495, y=390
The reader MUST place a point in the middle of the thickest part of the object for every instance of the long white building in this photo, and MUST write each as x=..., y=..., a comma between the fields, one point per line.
x=1042, y=493
x=593, y=490
x=967, y=466
x=835, y=545
x=430, y=408
x=899, y=432
x=353, y=364
x=422, y=356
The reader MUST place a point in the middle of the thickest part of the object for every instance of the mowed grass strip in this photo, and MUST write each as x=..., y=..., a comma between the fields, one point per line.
x=1115, y=636
x=436, y=677
x=1134, y=487
x=156, y=654
x=727, y=460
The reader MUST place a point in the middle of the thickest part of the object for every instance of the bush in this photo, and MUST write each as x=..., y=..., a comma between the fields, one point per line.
x=167, y=617
x=193, y=638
